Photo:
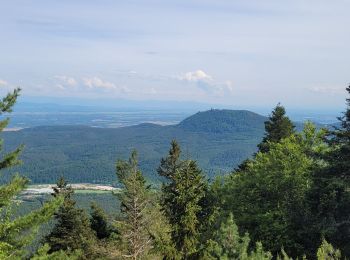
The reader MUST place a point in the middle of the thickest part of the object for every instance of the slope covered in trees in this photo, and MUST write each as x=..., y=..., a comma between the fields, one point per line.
x=217, y=139
x=289, y=201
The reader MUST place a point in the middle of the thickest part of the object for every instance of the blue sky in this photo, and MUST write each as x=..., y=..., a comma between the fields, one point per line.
x=234, y=52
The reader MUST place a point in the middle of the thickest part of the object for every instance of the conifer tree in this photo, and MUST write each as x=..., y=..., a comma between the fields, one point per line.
x=135, y=207
x=17, y=233
x=327, y=252
x=72, y=230
x=278, y=126
x=167, y=169
x=226, y=243
x=329, y=197
x=182, y=195
x=339, y=158
x=99, y=222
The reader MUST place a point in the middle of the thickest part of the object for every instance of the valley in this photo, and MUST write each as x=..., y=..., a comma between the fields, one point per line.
x=218, y=139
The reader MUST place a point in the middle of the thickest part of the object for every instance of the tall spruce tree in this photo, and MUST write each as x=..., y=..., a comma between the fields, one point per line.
x=167, y=169
x=135, y=208
x=329, y=197
x=182, y=195
x=339, y=158
x=72, y=229
x=278, y=126
x=17, y=233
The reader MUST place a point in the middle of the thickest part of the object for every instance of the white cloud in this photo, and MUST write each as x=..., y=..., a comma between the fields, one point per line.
x=3, y=82
x=96, y=82
x=207, y=83
x=194, y=76
x=68, y=81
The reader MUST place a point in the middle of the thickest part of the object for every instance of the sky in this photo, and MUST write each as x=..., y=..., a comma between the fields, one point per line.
x=235, y=52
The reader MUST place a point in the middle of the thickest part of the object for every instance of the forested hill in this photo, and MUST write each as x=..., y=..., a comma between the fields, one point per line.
x=218, y=139
x=223, y=121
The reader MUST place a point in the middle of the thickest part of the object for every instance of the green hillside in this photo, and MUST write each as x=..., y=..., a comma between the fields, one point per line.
x=218, y=139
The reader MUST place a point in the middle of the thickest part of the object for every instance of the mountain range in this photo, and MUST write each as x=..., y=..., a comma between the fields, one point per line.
x=218, y=139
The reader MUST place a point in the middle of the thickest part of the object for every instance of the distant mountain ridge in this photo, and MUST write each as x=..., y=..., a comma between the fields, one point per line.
x=217, y=139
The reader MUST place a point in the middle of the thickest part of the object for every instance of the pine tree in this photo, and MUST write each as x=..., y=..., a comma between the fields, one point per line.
x=135, y=207
x=181, y=199
x=72, y=229
x=329, y=197
x=278, y=126
x=17, y=233
x=226, y=243
x=167, y=169
x=339, y=158
x=99, y=222
x=171, y=163
x=327, y=252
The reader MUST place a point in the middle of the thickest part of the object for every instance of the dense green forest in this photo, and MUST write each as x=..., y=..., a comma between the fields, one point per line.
x=290, y=200
x=217, y=139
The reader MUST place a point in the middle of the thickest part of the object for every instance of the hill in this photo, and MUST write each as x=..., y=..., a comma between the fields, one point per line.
x=218, y=139
x=223, y=121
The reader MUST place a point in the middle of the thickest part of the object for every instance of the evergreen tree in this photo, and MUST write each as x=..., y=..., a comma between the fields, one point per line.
x=278, y=126
x=268, y=198
x=339, y=158
x=167, y=169
x=135, y=208
x=329, y=198
x=226, y=243
x=327, y=252
x=43, y=254
x=181, y=199
x=171, y=163
x=99, y=222
x=17, y=233
x=72, y=229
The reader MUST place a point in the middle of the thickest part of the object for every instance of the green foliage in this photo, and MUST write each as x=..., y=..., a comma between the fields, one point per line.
x=16, y=233
x=181, y=197
x=293, y=193
x=327, y=252
x=87, y=154
x=135, y=208
x=72, y=229
x=268, y=197
x=329, y=197
x=43, y=254
x=226, y=242
x=99, y=222
x=277, y=128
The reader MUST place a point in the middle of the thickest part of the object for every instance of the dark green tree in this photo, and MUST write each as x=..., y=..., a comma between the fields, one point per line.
x=17, y=233
x=167, y=169
x=135, y=208
x=99, y=222
x=182, y=195
x=329, y=198
x=72, y=229
x=278, y=126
